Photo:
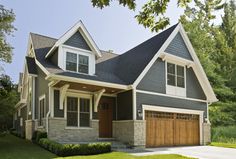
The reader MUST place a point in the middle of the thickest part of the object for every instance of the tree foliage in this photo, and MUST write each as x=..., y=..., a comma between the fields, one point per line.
x=152, y=15
x=8, y=99
x=7, y=18
x=215, y=47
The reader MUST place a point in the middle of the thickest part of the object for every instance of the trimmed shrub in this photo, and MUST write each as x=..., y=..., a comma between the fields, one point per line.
x=37, y=135
x=74, y=149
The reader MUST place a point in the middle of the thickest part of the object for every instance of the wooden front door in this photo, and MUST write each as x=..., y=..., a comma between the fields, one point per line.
x=171, y=129
x=105, y=117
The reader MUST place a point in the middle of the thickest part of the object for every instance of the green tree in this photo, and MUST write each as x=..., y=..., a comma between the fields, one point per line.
x=228, y=29
x=216, y=55
x=8, y=99
x=152, y=15
x=7, y=18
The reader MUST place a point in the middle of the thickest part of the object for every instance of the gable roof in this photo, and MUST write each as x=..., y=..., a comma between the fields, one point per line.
x=79, y=26
x=120, y=69
x=127, y=68
x=132, y=62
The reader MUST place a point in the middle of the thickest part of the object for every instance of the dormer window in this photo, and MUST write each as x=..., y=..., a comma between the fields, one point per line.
x=175, y=76
x=71, y=62
x=77, y=63
x=83, y=64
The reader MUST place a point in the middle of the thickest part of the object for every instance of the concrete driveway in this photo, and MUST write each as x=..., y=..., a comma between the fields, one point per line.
x=201, y=152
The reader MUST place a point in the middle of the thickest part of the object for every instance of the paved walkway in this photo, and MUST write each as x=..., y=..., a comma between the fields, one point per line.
x=201, y=152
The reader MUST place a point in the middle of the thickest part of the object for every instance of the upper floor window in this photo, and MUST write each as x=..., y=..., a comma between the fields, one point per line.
x=77, y=63
x=175, y=75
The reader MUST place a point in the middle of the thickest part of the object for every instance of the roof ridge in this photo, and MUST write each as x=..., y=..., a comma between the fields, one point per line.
x=173, y=26
x=109, y=52
x=43, y=36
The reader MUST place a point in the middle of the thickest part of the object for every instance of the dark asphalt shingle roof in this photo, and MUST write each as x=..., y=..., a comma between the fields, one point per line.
x=31, y=65
x=120, y=69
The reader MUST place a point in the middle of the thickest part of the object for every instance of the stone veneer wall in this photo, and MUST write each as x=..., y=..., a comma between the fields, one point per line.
x=132, y=132
x=60, y=133
x=206, y=133
x=29, y=129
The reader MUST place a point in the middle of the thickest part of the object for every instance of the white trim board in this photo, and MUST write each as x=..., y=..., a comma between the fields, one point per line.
x=172, y=96
x=202, y=78
x=177, y=110
x=87, y=81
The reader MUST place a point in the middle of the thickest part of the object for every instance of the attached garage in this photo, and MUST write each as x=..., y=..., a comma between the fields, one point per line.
x=172, y=128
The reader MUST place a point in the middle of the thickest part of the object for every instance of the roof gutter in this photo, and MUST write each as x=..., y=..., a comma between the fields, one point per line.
x=87, y=81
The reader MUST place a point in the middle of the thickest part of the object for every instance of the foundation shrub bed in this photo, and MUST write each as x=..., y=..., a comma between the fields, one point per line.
x=74, y=149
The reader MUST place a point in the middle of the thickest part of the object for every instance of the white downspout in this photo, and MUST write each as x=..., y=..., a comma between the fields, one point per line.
x=47, y=121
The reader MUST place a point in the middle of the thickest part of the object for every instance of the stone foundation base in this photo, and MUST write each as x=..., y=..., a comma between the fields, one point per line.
x=58, y=131
x=132, y=132
x=29, y=129
x=206, y=133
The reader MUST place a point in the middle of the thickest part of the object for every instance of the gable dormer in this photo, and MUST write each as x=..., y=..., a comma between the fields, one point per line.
x=75, y=51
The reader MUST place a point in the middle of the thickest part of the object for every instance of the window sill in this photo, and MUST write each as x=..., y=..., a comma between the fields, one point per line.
x=80, y=73
x=77, y=128
x=40, y=127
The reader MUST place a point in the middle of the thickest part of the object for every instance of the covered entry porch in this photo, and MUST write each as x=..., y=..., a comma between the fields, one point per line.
x=82, y=112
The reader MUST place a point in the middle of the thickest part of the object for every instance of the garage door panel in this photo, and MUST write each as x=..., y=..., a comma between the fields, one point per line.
x=170, y=129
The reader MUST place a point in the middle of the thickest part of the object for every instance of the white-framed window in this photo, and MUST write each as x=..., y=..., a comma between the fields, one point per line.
x=77, y=63
x=42, y=109
x=175, y=75
x=175, y=79
x=78, y=110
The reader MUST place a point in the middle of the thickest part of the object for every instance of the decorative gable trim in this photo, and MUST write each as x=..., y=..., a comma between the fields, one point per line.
x=197, y=67
x=79, y=26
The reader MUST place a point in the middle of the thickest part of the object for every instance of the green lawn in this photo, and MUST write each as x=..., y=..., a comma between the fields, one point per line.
x=12, y=147
x=121, y=155
x=227, y=145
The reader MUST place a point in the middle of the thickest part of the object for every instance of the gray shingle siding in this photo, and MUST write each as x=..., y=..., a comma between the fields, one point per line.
x=178, y=47
x=156, y=100
x=77, y=40
x=154, y=80
x=125, y=106
x=194, y=89
x=57, y=112
x=41, y=88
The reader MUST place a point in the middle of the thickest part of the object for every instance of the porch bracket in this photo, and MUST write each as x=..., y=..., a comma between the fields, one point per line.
x=97, y=97
x=63, y=90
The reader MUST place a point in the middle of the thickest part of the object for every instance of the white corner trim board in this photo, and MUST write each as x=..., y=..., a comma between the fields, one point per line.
x=176, y=110
x=167, y=95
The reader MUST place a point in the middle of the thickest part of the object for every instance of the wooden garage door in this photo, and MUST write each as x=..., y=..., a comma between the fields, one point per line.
x=171, y=129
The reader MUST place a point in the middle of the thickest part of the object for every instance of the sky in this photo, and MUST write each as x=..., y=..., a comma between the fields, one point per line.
x=112, y=28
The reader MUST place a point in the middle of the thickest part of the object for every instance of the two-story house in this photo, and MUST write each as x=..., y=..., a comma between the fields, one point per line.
x=156, y=94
